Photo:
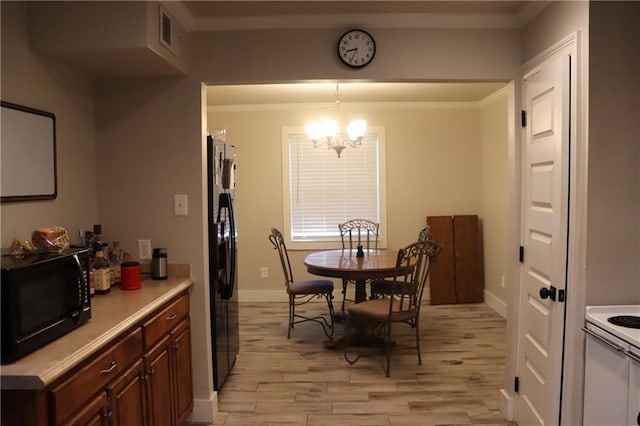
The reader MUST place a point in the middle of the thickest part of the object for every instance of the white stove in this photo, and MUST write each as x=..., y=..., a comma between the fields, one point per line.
x=599, y=316
x=612, y=366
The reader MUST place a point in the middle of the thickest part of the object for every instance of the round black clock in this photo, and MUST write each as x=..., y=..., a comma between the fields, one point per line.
x=356, y=48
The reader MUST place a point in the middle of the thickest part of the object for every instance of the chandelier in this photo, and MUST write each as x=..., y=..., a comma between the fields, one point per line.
x=327, y=132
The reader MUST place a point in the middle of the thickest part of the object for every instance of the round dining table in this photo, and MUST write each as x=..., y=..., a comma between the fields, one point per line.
x=345, y=264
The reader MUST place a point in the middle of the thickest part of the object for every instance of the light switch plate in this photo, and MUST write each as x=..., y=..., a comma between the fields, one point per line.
x=180, y=206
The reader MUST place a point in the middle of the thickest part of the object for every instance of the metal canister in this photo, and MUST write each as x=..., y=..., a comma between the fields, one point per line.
x=159, y=264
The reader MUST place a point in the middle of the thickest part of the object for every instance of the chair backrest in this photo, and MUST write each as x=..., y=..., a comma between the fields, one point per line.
x=359, y=232
x=277, y=240
x=408, y=289
x=425, y=234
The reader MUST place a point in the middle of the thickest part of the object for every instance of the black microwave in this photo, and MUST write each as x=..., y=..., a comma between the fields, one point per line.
x=44, y=295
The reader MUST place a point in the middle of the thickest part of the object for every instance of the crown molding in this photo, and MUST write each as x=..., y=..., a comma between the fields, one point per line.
x=370, y=20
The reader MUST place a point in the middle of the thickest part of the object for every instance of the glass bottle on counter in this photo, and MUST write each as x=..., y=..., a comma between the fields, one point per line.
x=96, y=240
x=101, y=273
x=115, y=259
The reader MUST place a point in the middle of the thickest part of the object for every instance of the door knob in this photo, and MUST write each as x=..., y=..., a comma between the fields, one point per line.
x=548, y=293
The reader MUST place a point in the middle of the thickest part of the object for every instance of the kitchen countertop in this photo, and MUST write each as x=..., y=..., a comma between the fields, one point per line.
x=111, y=314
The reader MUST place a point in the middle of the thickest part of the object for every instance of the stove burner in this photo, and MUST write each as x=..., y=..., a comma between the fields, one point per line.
x=625, y=321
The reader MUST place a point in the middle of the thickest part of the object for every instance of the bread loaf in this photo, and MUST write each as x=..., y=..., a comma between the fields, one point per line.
x=53, y=238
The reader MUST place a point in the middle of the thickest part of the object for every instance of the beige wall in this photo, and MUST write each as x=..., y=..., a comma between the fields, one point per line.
x=44, y=84
x=494, y=201
x=613, y=272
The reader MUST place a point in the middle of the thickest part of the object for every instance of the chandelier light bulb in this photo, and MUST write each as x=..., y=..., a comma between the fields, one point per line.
x=327, y=132
x=356, y=129
x=329, y=129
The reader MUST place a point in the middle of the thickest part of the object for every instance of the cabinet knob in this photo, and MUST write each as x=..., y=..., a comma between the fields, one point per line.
x=151, y=372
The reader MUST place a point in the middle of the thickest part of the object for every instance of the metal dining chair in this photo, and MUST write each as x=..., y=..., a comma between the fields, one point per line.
x=402, y=303
x=355, y=233
x=380, y=288
x=302, y=292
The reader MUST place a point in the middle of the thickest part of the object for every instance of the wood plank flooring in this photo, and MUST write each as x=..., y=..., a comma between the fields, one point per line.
x=298, y=382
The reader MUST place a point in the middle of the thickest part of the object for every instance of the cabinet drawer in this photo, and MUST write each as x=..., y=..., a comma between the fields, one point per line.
x=162, y=323
x=71, y=394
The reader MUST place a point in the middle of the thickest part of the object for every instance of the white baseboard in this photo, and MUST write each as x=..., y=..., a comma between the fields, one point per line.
x=496, y=304
x=506, y=405
x=263, y=296
x=252, y=296
x=204, y=410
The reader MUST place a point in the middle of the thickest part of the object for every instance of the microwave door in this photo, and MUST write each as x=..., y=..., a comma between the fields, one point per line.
x=82, y=308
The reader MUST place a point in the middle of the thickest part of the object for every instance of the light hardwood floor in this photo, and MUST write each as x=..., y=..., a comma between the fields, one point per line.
x=299, y=382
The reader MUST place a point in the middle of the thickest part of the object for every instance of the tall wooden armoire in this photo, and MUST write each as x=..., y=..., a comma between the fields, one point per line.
x=457, y=275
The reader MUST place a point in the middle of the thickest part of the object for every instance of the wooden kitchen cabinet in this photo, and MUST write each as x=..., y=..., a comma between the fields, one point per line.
x=93, y=413
x=158, y=367
x=127, y=397
x=181, y=337
x=168, y=364
x=457, y=275
x=75, y=393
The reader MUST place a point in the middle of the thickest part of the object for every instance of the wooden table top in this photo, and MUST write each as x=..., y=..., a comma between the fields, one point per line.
x=376, y=263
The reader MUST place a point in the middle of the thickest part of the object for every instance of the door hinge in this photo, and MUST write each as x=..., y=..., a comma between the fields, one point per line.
x=516, y=384
x=523, y=118
x=521, y=254
x=561, y=295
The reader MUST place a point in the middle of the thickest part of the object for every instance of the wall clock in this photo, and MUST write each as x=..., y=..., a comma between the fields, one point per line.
x=356, y=48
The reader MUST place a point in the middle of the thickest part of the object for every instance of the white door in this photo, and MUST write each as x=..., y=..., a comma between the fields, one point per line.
x=545, y=175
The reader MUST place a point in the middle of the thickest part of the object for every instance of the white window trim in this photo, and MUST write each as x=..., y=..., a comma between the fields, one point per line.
x=286, y=191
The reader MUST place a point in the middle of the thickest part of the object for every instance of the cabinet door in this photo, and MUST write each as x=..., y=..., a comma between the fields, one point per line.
x=468, y=259
x=94, y=413
x=158, y=368
x=442, y=277
x=181, y=337
x=127, y=397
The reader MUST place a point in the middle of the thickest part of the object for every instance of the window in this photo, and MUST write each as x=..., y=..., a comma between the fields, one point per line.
x=322, y=190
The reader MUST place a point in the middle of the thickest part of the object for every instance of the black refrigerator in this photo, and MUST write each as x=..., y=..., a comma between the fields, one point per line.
x=223, y=265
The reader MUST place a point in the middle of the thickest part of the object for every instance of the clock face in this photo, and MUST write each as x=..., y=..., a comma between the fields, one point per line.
x=356, y=48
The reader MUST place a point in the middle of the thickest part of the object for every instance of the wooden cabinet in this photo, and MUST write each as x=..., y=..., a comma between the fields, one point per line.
x=183, y=383
x=93, y=413
x=127, y=397
x=113, y=363
x=167, y=337
x=457, y=275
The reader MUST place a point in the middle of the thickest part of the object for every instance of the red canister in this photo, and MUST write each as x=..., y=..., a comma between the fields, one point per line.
x=130, y=275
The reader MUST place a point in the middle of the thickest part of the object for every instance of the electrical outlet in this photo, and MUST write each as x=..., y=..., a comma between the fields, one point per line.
x=144, y=249
x=264, y=272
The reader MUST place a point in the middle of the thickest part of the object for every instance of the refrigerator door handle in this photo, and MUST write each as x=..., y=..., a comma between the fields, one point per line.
x=225, y=203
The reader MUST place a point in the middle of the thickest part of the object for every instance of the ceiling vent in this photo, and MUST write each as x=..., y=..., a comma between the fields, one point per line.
x=170, y=32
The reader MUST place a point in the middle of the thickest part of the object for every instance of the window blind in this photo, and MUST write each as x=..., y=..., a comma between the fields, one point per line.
x=326, y=190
